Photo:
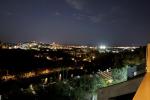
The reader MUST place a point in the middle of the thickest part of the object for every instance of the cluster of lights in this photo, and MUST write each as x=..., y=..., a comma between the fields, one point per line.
x=29, y=74
x=45, y=71
x=102, y=47
x=8, y=77
x=33, y=74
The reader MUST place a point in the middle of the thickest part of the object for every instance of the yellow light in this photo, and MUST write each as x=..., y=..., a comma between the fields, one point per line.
x=110, y=81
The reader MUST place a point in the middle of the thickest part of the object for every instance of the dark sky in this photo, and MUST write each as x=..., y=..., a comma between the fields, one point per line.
x=110, y=22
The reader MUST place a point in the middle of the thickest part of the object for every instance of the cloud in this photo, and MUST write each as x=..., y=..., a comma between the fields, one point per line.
x=93, y=18
x=76, y=4
x=57, y=13
x=96, y=18
x=79, y=16
x=113, y=15
x=9, y=13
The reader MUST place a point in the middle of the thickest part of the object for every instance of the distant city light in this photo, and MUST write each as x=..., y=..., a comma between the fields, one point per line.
x=102, y=47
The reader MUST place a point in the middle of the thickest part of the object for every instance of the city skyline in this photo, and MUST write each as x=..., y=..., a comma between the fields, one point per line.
x=95, y=22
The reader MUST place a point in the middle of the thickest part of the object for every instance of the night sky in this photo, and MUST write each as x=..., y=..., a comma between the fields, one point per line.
x=110, y=22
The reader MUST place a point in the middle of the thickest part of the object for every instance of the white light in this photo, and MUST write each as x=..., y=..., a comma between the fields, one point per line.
x=78, y=76
x=102, y=47
x=46, y=80
x=93, y=57
x=81, y=67
x=59, y=76
x=71, y=75
x=107, y=70
x=135, y=73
